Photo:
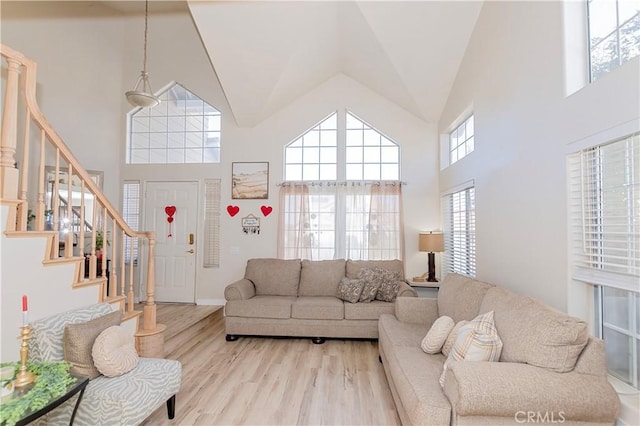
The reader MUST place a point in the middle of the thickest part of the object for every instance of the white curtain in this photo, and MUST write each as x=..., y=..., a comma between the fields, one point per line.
x=330, y=220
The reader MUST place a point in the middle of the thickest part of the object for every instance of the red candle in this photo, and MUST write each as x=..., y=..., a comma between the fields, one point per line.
x=24, y=303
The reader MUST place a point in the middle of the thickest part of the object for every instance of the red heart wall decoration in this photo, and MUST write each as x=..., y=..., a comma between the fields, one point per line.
x=232, y=210
x=170, y=210
x=266, y=210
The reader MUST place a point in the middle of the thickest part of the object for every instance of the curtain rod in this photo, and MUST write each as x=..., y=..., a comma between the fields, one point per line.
x=342, y=183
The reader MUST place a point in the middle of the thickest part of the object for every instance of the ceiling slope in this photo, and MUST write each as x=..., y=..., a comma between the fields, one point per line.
x=268, y=53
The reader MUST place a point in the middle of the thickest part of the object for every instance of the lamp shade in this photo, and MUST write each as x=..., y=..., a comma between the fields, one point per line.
x=431, y=242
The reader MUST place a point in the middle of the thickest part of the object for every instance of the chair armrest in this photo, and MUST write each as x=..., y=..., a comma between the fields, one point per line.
x=417, y=310
x=240, y=290
x=512, y=390
x=405, y=290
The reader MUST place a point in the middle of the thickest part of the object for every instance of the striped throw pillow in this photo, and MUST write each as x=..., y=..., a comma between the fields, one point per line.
x=476, y=341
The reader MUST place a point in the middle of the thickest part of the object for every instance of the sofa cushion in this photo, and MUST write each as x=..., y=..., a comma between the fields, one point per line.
x=114, y=351
x=534, y=333
x=46, y=343
x=367, y=311
x=353, y=267
x=459, y=297
x=398, y=333
x=349, y=290
x=113, y=400
x=320, y=277
x=437, y=335
x=451, y=338
x=390, y=285
x=373, y=279
x=274, y=277
x=278, y=307
x=476, y=341
x=318, y=307
x=78, y=341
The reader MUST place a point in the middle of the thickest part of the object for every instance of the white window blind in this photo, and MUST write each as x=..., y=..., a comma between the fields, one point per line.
x=604, y=198
x=211, y=223
x=131, y=215
x=605, y=210
x=460, y=232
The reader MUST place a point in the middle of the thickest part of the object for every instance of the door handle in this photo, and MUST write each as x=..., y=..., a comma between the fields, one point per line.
x=191, y=239
x=191, y=251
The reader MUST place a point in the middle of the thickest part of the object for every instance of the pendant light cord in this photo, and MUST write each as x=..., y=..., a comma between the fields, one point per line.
x=146, y=24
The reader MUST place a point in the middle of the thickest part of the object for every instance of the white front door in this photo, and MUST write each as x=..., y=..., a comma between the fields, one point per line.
x=171, y=211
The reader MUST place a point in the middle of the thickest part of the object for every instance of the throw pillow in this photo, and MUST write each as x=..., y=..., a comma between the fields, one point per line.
x=476, y=341
x=437, y=334
x=390, y=285
x=114, y=352
x=78, y=339
x=451, y=338
x=350, y=289
x=372, y=281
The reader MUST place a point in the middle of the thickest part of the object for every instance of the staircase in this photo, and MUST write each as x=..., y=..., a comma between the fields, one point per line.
x=55, y=264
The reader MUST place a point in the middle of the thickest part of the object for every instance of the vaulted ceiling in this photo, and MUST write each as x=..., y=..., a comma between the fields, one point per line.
x=268, y=53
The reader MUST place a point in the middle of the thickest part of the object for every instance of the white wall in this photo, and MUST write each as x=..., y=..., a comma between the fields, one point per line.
x=513, y=77
x=265, y=142
x=78, y=55
x=78, y=52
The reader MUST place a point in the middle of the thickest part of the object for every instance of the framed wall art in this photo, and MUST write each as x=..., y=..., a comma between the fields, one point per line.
x=250, y=181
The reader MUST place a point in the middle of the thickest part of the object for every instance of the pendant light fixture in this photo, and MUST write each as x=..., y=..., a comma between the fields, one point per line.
x=142, y=95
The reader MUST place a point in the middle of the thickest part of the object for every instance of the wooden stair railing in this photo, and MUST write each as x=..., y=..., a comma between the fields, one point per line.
x=24, y=182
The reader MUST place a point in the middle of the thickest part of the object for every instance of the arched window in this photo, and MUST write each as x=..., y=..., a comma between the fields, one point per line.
x=181, y=129
x=342, y=197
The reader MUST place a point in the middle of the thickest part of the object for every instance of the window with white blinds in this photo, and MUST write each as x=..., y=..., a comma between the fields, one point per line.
x=460, y=232
x=131, y=215
x=604, y=198
x=211, y=223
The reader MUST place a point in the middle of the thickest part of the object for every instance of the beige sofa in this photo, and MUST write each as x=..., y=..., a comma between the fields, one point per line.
x=280, y=297
x=550, y=369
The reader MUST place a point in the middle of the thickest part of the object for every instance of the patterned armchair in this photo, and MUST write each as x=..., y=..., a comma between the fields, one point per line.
x=124, y=400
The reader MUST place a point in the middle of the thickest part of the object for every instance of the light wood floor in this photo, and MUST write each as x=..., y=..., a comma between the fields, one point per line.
x=267, y=381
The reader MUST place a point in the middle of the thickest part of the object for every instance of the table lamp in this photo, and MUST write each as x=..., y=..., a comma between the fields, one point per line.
x=431, y=243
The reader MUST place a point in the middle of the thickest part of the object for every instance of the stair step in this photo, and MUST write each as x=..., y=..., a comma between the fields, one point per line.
x=88, y=283
x=63, y=260
x=29, y=234
x=128, y=315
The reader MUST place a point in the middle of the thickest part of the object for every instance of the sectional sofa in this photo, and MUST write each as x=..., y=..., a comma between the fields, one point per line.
x=550, y=369
x=297, y=298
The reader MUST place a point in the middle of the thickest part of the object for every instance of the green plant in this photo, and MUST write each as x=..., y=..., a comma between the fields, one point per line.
x=100, y=241
x=30, y=215
x=52, y=380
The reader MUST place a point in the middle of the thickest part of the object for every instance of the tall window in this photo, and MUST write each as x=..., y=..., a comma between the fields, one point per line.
x=326, y=217
x=614, y=34
x=605, y=209
x=461, y=141
x=131, y=215
x=181, y=129
x=460, y=232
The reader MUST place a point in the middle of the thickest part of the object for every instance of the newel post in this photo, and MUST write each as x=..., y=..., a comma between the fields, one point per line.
x=8, y=172
x=151, y=337
x=150, y=304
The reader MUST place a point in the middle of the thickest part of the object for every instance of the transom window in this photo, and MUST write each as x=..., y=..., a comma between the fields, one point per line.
x=369, y=154
x=313, y=156
x=181, y=129
x=461, y=141
x=614, y=34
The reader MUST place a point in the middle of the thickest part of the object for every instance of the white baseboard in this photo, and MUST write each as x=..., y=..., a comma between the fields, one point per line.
x=210, y=302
